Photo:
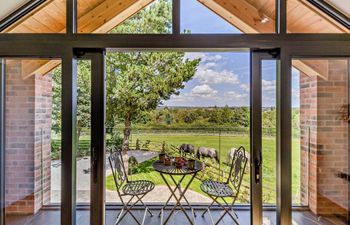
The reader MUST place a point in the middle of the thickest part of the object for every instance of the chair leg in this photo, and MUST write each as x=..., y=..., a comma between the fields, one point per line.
x=206, y=210
x=226, y=211
x=142, y=203
x=127, y=209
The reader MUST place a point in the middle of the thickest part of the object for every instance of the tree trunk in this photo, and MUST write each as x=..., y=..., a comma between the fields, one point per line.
x=127, y=132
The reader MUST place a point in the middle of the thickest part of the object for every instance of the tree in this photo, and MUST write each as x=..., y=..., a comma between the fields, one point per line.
x=168, y=119
x=241, y=117
x=83, y=97
x=137, y=82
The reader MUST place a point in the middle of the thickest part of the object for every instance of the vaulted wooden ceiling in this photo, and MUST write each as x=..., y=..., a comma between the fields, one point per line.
x=249, y=16
x=94, y=16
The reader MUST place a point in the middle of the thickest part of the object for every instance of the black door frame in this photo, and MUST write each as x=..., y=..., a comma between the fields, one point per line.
x=256, y=176
x=98, y=132
x=63, y=45
x=284, y=127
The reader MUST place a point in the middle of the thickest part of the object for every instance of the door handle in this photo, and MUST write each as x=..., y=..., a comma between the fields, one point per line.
x=257, y=163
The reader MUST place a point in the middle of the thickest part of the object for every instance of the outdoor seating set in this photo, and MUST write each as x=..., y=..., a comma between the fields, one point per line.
x=179, y=167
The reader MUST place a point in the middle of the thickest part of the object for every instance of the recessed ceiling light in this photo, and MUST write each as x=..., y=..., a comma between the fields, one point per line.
x=264, y=20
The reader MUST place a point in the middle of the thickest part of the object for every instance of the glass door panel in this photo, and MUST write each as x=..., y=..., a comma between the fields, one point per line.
x=268, y=111
x=320, y=157
x=207, y=107
x=263, y=131
x=83, y=155
x=32, y=150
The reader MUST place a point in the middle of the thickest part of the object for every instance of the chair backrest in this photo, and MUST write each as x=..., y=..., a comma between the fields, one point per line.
x=239, y=163
x=118, y=169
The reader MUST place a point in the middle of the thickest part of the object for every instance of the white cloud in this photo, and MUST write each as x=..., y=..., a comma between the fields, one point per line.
x=203, y=91
x=212, y=58
x=207, y=72
x=269, y=85
x=208, y=65
x=245, y=87
x=182, y=98
x=205, y=57
x=210, y=76
x=194, y=55
x=199, y=95
x=236, y=95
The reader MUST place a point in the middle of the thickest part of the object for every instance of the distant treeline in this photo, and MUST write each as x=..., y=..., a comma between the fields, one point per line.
x=214, y=118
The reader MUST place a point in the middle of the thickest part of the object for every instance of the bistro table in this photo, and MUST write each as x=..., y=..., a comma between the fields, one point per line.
x=172, y=171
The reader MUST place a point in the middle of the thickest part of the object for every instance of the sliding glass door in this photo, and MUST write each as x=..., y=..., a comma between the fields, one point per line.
x=263, y=136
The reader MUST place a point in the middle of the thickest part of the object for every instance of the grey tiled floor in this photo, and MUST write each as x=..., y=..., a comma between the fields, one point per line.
x=52, y=217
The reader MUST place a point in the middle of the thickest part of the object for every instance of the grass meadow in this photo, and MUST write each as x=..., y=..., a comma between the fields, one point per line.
x=224, y=142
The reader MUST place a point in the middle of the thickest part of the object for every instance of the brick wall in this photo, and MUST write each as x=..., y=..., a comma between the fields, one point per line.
x=42, y=139
x=308, y=136
x=28, y=125
x=321, y=105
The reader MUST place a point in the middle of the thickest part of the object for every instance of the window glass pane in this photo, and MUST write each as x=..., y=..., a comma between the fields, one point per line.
x=340, y=5
x=83, y=156
x=236, y=16
x=269, y=173
x=208, y=106
x=305, y=17
x=48, y=17
x=320, y=119
x=125, y=17
x=32, y=150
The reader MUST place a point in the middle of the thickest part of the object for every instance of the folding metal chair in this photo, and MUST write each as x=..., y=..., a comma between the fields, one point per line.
x=221, y=190
x=136, y=189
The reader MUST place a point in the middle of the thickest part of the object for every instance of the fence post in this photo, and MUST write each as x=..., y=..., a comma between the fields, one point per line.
x=163, y=146
x=137, y=144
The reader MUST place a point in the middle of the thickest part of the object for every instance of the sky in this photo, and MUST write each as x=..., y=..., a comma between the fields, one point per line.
x=223, y=78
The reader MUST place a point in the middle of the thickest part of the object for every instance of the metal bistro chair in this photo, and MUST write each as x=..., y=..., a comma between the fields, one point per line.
x=216, y=189
x=136, y=189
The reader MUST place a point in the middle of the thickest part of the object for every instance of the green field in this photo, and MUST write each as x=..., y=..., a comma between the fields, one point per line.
x=224, y=143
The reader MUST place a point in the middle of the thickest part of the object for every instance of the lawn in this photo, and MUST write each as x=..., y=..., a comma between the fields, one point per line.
x=224, y=143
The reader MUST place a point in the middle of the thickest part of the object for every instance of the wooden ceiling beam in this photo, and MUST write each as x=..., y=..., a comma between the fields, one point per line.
x=109, y=14
x=101, y=19
x=242, y=15
x=248, y=19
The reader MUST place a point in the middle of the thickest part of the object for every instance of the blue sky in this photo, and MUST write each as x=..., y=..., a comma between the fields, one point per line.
x=222, y=78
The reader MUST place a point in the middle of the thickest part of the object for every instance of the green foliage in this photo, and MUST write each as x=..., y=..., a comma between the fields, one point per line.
x=83, y=148
x=144, y=167
x=56, y=99
x=236, y=119
x=168, y=119
x=83, y=97
x=137, y=82
x=154, y=19
x=115, y=140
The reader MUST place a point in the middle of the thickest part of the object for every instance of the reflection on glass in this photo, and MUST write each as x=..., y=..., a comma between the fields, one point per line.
x=32, y=152
x=269, y=173
x=307, y=17
x=234, y=17
x=208, y=106
x=48, y=17
x=321, y=162
x=123, y=17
